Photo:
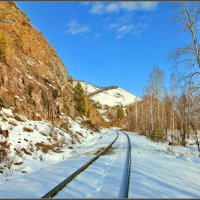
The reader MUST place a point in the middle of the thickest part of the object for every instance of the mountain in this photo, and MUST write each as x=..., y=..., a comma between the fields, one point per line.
x=33, y=79
x=107, y=101
x=38, y=119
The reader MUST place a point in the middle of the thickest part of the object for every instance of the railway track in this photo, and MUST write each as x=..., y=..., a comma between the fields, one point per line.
x=126, y=178
x=124, y=188
x=60, y=186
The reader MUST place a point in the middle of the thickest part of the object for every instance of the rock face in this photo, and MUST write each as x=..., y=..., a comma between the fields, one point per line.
x=33, y=79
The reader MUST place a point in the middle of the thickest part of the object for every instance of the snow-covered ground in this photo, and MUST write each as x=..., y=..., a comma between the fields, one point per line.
x=27, y=146
x=157, y=171
x=163, y=171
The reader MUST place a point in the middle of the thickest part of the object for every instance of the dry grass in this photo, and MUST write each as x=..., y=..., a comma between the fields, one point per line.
x=18, y=151
x=25, y=151
x=5, y=160
x=5, y=133
x=79, y=133
x=12, y=123
x=45, y=148
x=89, y=124
x=3, y=119
x=27, y=129
x=5, y=145
x=94, y=116
x=18, y=163
x=18, y=118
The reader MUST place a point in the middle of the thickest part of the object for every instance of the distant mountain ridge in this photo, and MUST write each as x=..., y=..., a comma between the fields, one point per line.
x=107, y=100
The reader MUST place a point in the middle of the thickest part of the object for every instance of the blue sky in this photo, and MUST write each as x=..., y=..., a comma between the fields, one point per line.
x=109, y=43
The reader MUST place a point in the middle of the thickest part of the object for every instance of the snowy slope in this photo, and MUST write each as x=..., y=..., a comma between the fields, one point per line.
x=110, y=97
x=107, y=99
x=115, y=97
x=31, y=145
x=88, y=88
x=157, y=171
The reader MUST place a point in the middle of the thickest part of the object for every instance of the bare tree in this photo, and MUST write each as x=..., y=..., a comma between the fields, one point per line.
x=188, y=62
x=155, y=90
x=188, y=57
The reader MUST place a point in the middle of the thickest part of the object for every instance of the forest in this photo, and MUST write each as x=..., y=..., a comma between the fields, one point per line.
x=172, y=113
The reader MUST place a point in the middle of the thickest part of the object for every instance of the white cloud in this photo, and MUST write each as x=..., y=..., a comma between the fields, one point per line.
x=123, y=30
x=97, y=8
x=112, y=7
x=75, y=28
x=101, y=8
x=127, y=25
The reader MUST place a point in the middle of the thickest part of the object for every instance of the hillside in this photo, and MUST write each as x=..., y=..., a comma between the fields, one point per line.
x=27, y=145
x=108, y=100
x=38, y=120
x=33, y=79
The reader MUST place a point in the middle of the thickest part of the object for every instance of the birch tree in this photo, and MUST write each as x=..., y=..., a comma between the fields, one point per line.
x=187, y=58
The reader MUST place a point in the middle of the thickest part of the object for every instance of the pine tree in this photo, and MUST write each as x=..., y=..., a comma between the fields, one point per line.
x=79, y=99
x=70, y=79
x=120, y=113
x=157, y=133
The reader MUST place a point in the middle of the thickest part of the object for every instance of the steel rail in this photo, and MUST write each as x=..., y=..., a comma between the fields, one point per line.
x=61, y=185
x=126, y=178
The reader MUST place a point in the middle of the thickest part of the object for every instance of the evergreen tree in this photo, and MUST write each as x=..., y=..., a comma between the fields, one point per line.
x=120, y=113
x=157, y=133
x=70, y=79
x=79, y=99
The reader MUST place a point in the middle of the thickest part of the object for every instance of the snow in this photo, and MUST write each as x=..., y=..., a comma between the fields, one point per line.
x=36, y=184
x=37, y=82
x=18, y=98
x=115, y=97
x=42, y=132
x=105, y=176
x=30, y=62
x=30, y=77
x=88, y=88
x=110, y=97
x=43, y=180
x=18, y=70
x=163, y=171
x=157, y=170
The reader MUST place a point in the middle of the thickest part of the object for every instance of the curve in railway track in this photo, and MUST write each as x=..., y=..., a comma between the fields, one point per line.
x=61, y=185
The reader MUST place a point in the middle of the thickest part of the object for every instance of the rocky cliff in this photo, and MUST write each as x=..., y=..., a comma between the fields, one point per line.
x=33, y=79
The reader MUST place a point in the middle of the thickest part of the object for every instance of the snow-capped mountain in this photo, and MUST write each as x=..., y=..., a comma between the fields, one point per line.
x=110, y=96
x=88, y=88
x=107, y=100
x=114, y=97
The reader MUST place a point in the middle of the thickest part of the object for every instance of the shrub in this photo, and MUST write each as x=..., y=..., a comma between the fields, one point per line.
x=120, y=113
x=3, y=47
x=18, y=118
x=45, y=148
x=12, y=123
x=158, y=133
